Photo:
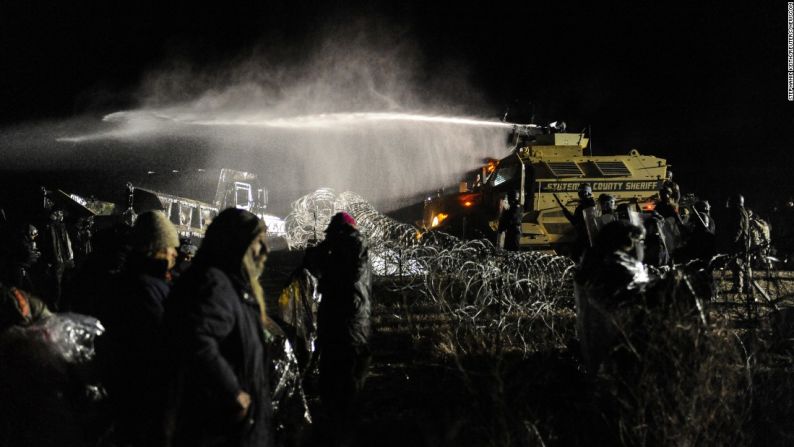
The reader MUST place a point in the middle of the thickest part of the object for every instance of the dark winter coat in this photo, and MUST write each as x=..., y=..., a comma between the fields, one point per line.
x=132, y=349
x=341, y=264
x=217, y=342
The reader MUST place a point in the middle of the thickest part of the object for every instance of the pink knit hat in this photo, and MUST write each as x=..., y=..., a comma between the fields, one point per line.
x=339, y=219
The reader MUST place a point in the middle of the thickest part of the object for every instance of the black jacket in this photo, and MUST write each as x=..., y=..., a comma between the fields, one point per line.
x=132, y=349
x=217, y=344
x=341, y=264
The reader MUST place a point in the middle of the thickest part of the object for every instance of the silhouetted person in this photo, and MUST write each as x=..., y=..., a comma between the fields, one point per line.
x=510, y=222
x=610, y=276
x=703, y=216
x=657, y=253
x=57, y=253
x=667, y=207
x=702, y=242
x=736, y=237
x=675, y=190
x=341, y=264
x=576, y=218
x=215, y=321
x=83, y=235
x=132, y=350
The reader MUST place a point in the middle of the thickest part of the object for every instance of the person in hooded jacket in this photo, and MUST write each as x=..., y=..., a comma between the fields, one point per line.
x=341, y=264
x=132, y=350
x=215, y=322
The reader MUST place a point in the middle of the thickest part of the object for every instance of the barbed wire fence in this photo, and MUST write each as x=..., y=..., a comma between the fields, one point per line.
x=491, y=299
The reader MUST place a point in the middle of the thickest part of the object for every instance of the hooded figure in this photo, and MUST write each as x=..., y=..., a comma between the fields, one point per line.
x=215, y=318
x=131, y=352
x=341, y=264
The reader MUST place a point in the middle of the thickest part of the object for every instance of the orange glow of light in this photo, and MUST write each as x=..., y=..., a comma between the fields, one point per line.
x=491, y=167
x=438, y=219
x=648, y=206
x=468, y=200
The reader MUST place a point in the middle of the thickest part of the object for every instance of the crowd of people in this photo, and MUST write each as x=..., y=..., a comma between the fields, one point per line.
x=622, y=253
x=622, y=250
x=185, y=357
x=186, y=354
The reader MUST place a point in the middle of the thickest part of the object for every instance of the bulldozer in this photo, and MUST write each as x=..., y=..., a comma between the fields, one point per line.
x=544, y=165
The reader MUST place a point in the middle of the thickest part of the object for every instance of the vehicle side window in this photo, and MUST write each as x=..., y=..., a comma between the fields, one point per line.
x=505, y=174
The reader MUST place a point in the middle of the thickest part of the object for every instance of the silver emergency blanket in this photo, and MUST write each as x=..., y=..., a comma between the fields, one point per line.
x=288, y=395
x=69, y=335
x=297, y=309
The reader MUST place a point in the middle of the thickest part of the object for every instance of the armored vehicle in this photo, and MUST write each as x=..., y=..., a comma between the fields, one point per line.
x=542, y=165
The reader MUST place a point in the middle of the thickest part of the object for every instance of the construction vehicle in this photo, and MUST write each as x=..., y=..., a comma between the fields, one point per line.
x=232, y=189
x=544, y=164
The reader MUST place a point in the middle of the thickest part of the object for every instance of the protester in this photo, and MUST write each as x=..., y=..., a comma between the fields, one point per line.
x=132, y=350
x=220, y=393
x=611, y=276
x=577, y=219
x=657, y=253
x=701, y=243
x=667, y=207
x=341, y=264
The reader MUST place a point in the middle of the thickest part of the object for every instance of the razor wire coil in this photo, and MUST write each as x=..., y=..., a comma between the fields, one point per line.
x=484, y=291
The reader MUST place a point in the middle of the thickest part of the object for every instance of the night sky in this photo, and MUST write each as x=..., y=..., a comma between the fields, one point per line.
x=703, y=85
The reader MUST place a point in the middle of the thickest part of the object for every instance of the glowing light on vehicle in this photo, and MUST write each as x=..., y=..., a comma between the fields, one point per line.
x=437, y=219
x=648, y=206
x=467, y=203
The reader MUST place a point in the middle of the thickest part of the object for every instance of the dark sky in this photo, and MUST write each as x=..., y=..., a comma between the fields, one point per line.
x=702, y=84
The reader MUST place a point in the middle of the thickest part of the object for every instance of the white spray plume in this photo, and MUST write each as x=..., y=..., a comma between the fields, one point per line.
x=350, y=113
